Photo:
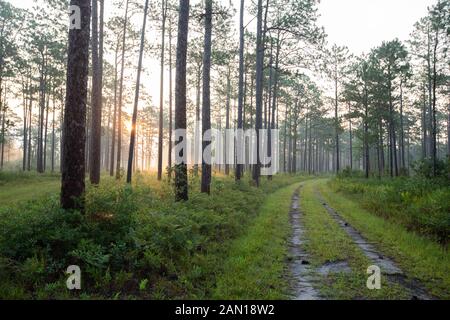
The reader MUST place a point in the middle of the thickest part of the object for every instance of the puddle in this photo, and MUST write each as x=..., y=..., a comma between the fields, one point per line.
x=334, y=267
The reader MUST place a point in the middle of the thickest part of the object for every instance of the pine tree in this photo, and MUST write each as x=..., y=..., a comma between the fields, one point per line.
x=73, y=174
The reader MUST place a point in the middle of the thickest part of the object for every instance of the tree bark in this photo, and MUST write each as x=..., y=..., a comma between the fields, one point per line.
x=44, y=166
x=402, y=132
x=72, y=182
x=336, y=119
x=241, y=93
x=96, y=119
x=227, y=120
x=206, y=101
x=181, y=178
x=448, y=130
x=351, y=139
x=53, y=132
x=434, y=111
x=42, y=91
x=114, y=129
x=274, y=98
x=119, y=115
x=259, y=91
x=29, y=130
x=197, y=118
x=169, y=156
x=136, y=99
x=26, y=88
x=161, y=92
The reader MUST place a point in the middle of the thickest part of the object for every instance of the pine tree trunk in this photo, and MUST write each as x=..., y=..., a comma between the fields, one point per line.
x=366, y=139
x=2, y=137
x=206, y=101
x=259, y=90
x=26, y=89
x=136, y=99
x=53, y=132
x=434, y=111
x=42, y=90
x=240, y=124
x=424, y=126
x=351, y=140
x=227, y=120
x=448, y=130
x=181, y=178
x=119, y=115
x=114, y=129
x=100, y=55
x=44, y=167
x=336, y=119
x=197, y=119
x=169, y=156
x=29, y=131
x=274, y=99
x=402, y=132
x=96, y=119
x=161, y=92
x=73, y=185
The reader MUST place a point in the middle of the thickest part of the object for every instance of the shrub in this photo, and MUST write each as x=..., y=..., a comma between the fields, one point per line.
x=424, y=168
x=131, y=242
x=419, y=203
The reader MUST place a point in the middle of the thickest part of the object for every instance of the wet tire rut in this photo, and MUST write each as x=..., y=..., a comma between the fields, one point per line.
x=301, y=270
x=387, y=266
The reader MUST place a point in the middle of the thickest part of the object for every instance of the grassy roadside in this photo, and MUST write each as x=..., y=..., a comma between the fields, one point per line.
x=256, y=264
x=417, y=256
x=19, y=187
x=328, y=243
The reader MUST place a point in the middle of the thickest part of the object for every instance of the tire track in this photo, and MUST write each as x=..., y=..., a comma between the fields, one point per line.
x=388, y=267
x=300, y=267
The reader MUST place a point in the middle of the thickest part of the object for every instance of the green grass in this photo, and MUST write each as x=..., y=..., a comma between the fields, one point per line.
x=420, y=204
x=231, y=245
x=19, y=187
x=255, y=268
x=418, y=256
x=128, y=237
x=328, y=242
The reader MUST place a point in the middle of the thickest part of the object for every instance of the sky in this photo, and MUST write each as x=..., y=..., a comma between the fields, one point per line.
x=363, y=24
x=358, y=24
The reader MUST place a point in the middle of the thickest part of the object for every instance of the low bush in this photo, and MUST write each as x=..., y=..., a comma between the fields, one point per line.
x=130, y=243
x=421, y=204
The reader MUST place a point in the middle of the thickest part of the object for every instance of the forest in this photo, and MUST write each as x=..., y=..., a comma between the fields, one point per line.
x=213, y=149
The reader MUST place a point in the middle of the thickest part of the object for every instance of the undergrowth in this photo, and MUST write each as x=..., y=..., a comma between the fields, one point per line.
x=131, y=243
x=421, y=204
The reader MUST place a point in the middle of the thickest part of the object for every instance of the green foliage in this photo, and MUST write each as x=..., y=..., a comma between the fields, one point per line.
x=418, y=256
x=420, y=204
x=348, y=173
x=16, y=177
x=132, y=242
x=424, y=168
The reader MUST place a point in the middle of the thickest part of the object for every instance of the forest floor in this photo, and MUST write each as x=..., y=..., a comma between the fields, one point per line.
x=296, y=237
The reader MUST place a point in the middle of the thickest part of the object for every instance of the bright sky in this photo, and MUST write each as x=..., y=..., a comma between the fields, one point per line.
x=359, y=24
x=364, y=24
